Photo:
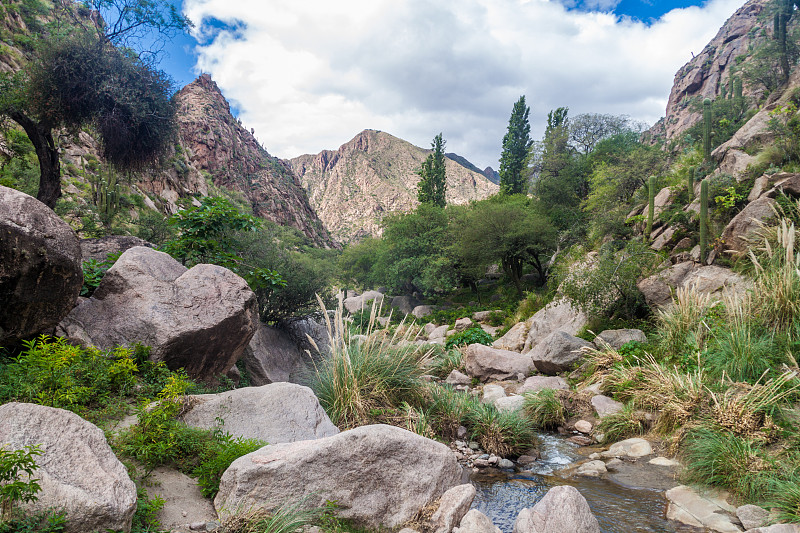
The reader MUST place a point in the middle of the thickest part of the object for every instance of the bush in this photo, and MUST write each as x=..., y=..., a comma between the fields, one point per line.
x=13, y=489
x=50, y=521
x=474, y=335
x=93, y=272
x=226, y=451
x=545, y=409
x=627, y=423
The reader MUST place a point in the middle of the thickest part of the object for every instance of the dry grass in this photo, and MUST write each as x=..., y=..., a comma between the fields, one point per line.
x=682, y=324
x=777, y=266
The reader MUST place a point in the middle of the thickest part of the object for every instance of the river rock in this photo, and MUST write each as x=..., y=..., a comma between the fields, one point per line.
x=40, y=267
x=629, y=448
x=273, y=356
x=605, y=406
x=200, y=319
x=537, y=383
x=511, y=403
x=453, y=505
x=379, y=475
x=457, y=378
x=592, y=469
x=558, y=352
x=752, y=516
x=492, y=393
x=354, y=304
x=558, y=315
x=279, y=412
x=777, y=528
x=562, y=510
x=616, y=338
x=584, y=426
x=708, y=510
x=663, y=461
x=487, y=363
x=77, y=472
x=476, y=522
x=514, y=339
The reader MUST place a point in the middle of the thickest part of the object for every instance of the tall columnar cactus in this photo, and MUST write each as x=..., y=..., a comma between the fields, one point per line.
x=707, y=129
x=651, y=205
x=703, y=221
x=690, y=182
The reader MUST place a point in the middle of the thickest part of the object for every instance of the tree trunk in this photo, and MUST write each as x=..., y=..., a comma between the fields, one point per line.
x=41, y=135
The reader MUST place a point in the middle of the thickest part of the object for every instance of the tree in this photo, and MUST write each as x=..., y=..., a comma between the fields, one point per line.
x=516, y=145
x=432, y=179
x=78, y=74
x=509, y=229
x=587, y=129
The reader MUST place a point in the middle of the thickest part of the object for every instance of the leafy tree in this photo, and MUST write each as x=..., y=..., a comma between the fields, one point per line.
x=433, y=181
x=509, y=229
x=80, y=73
x=516, y=145
x=588, y=129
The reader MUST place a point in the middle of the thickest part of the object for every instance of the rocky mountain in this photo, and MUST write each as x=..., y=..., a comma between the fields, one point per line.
x=706, y=74
x=372, y=175
x=491, y=174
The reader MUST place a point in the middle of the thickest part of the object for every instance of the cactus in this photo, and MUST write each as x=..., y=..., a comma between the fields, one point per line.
x=703, y=221
x=690, y=182
x=651, y=205
x=707, y=129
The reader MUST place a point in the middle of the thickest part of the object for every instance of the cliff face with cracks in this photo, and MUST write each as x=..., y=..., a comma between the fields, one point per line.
x=372, y=175
x=704, y=76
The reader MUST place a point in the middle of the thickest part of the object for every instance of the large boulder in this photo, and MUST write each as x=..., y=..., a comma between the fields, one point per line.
x=310, y=333
x=616, y=338
x=279, y=412
x=711, y=279
x=487, y=363
x=100, y=248
x=379, y=475
x=555, y=316
x=745, y=224
x=562, y=510
x=404, y=304
x=514, y=339
x=40, y=267
x=273, y=356
x=77, y=471
x=558, y=352
x=354, y=304
x=200, y=319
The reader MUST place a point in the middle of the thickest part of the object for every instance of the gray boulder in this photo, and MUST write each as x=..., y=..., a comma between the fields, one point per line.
x=746, y=223
x=617, y=337
x=273, y=356
x=476, y=522
x=40, y=267
x=487, y=363
x=514, y=339
x=605, y=406
x=562, y=510
x=537, y=383
x=355, y=304
x=379, y=475
x=422, y=311
x=558, y=315
x=310, y=328
x=100, y=248
x=77, y=472
x=558, y=352
x=279, y=412
x=658, y=288
x=200, y=319
x=453, y=505
x=405, y=304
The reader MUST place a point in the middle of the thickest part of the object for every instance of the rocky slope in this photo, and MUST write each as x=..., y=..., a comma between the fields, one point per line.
x=705, y=75
x=374, y=174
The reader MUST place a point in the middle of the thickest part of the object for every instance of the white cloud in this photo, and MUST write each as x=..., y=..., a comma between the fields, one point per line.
x=309, y=75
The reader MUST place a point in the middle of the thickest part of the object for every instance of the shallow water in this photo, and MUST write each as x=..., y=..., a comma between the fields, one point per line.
x=618, y=509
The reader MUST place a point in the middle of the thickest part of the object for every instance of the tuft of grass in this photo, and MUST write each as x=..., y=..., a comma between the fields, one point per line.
x=777, y=269
x=284, y=519
x=377, y=373
x=445, y=361
x=450, y=409
x=545, y=409
x=501, y=433
x=681, y=326
x=785, y=499
x=629, y=422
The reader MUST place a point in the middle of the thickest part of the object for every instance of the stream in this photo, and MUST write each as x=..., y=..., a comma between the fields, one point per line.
x=619, y=509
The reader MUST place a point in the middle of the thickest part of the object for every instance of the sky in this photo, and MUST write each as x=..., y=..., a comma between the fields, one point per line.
x=309, y=75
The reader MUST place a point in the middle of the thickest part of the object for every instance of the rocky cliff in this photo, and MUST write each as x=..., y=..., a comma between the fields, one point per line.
x=705, y=75
x=217, y=145
x=374, y=174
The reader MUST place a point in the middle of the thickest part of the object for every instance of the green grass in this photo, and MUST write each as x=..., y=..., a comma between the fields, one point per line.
x=445, y=361
x=474, y=335
x=501, y=433
x=545, y=409
x=627, y=423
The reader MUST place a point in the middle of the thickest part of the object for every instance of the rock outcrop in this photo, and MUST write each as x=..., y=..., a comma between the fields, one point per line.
x=275, y=413
x=40, y=267
x=77, y=471
x=200, y=319
x=372, y=175
x=379, y=475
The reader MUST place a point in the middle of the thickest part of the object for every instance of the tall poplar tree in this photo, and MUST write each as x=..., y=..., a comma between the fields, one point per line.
x=517, y=143
x=432, y=179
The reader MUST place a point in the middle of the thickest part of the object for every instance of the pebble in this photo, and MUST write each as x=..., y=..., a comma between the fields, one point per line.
x=184, y=514
x=484, y=457
x=462, y=432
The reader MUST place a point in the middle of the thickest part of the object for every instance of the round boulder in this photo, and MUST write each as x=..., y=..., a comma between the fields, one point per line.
x=40, y=267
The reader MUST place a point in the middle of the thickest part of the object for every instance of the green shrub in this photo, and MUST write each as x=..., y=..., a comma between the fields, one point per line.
x=474, y=335
x=50, y=521
x=450, y=409
x=93, y=272
x=14, y=465
x=545, y=409
x=228, y=449
x=145, y=519
x=627, y=423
